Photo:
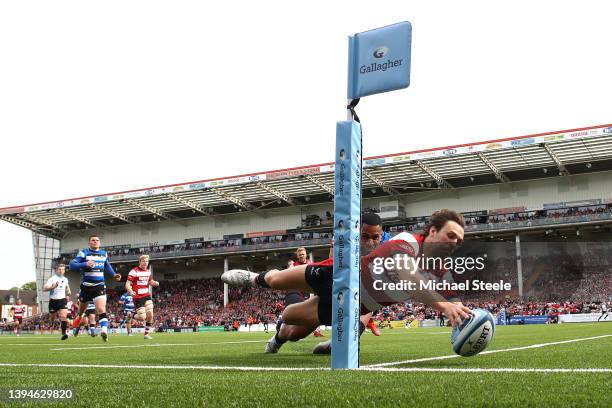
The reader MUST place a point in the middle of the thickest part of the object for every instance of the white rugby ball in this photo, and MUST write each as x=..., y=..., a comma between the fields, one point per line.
x=474, y=334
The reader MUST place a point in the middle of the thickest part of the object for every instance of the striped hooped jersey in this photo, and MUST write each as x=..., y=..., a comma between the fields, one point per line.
x=18, y=310
x=92, y=276
x=128, y=302
x=374, y=275
x=140, y=279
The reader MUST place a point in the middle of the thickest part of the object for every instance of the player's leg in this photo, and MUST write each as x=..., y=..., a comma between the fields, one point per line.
x=287, y=279
x=90, y=322
x=128, y=324
x=148, y=307
x=100, y=303
x=141, y=313
x=63, y=317
x=370, y=324
x=76, y=324
x=52, y=317
x=299, y=320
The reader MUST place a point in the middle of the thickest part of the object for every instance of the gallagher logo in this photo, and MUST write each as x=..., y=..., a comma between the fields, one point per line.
x=380, y=52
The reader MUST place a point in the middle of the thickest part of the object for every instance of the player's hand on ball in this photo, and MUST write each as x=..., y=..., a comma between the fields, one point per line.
x=456, y=313
x=91, y=264
x=117, y=277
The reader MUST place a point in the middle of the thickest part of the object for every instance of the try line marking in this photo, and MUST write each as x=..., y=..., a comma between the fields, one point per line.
x=156, y=345
x=418, y=360
x=383, y=369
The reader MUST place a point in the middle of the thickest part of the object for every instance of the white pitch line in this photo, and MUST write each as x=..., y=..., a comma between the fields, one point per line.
x=156, y=345
x=31, y=344
x=488, y=370
x=369, y=369
x=419, y=360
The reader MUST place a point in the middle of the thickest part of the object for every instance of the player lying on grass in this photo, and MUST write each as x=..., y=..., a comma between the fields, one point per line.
x=442, y=234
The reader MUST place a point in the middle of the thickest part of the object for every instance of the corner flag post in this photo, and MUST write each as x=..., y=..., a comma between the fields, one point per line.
x=379, y=61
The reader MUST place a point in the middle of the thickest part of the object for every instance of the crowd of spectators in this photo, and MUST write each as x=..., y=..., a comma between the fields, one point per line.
x=413, y=225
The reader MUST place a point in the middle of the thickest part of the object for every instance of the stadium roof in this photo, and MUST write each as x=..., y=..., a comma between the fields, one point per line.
x=507, y=160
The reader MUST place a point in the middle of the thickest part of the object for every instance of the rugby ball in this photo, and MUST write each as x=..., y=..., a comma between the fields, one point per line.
x=474, y=334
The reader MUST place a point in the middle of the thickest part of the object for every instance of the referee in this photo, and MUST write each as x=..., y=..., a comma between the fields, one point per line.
x=59, y=294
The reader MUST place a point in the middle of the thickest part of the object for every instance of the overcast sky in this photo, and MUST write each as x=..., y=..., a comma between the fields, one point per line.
x=98, y=97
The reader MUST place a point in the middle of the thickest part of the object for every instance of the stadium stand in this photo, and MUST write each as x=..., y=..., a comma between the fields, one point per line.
x=510, y=191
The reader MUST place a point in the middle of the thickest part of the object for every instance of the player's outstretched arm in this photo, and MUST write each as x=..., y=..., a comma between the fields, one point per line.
x=455, y=311
x=78, y=263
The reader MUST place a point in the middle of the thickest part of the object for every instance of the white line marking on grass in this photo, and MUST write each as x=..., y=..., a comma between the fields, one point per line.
x=418, y=360
x=31, y=344
x=489, y=370
x=381, y=369
x=156, y=345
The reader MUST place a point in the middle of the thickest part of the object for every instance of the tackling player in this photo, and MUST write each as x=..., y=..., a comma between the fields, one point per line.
x=441, y=236
x=137, y=285
x=93, y=263
x=127, y=302
x=17, y=311
x=372, y=235
x=59, y=294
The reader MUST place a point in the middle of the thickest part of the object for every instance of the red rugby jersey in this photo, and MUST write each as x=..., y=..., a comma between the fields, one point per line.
x=140, y=279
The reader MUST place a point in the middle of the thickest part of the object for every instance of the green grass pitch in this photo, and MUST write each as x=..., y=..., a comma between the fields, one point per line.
x=124, y=382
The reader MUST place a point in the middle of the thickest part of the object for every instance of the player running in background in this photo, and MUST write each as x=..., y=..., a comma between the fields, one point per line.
x=93, y=263
x=441, y=236
x=17, y=312
x=604, y=311
x=127, y=302
x=137, y=285
x=69, y=316
x=264, y=320
x=59, y=294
